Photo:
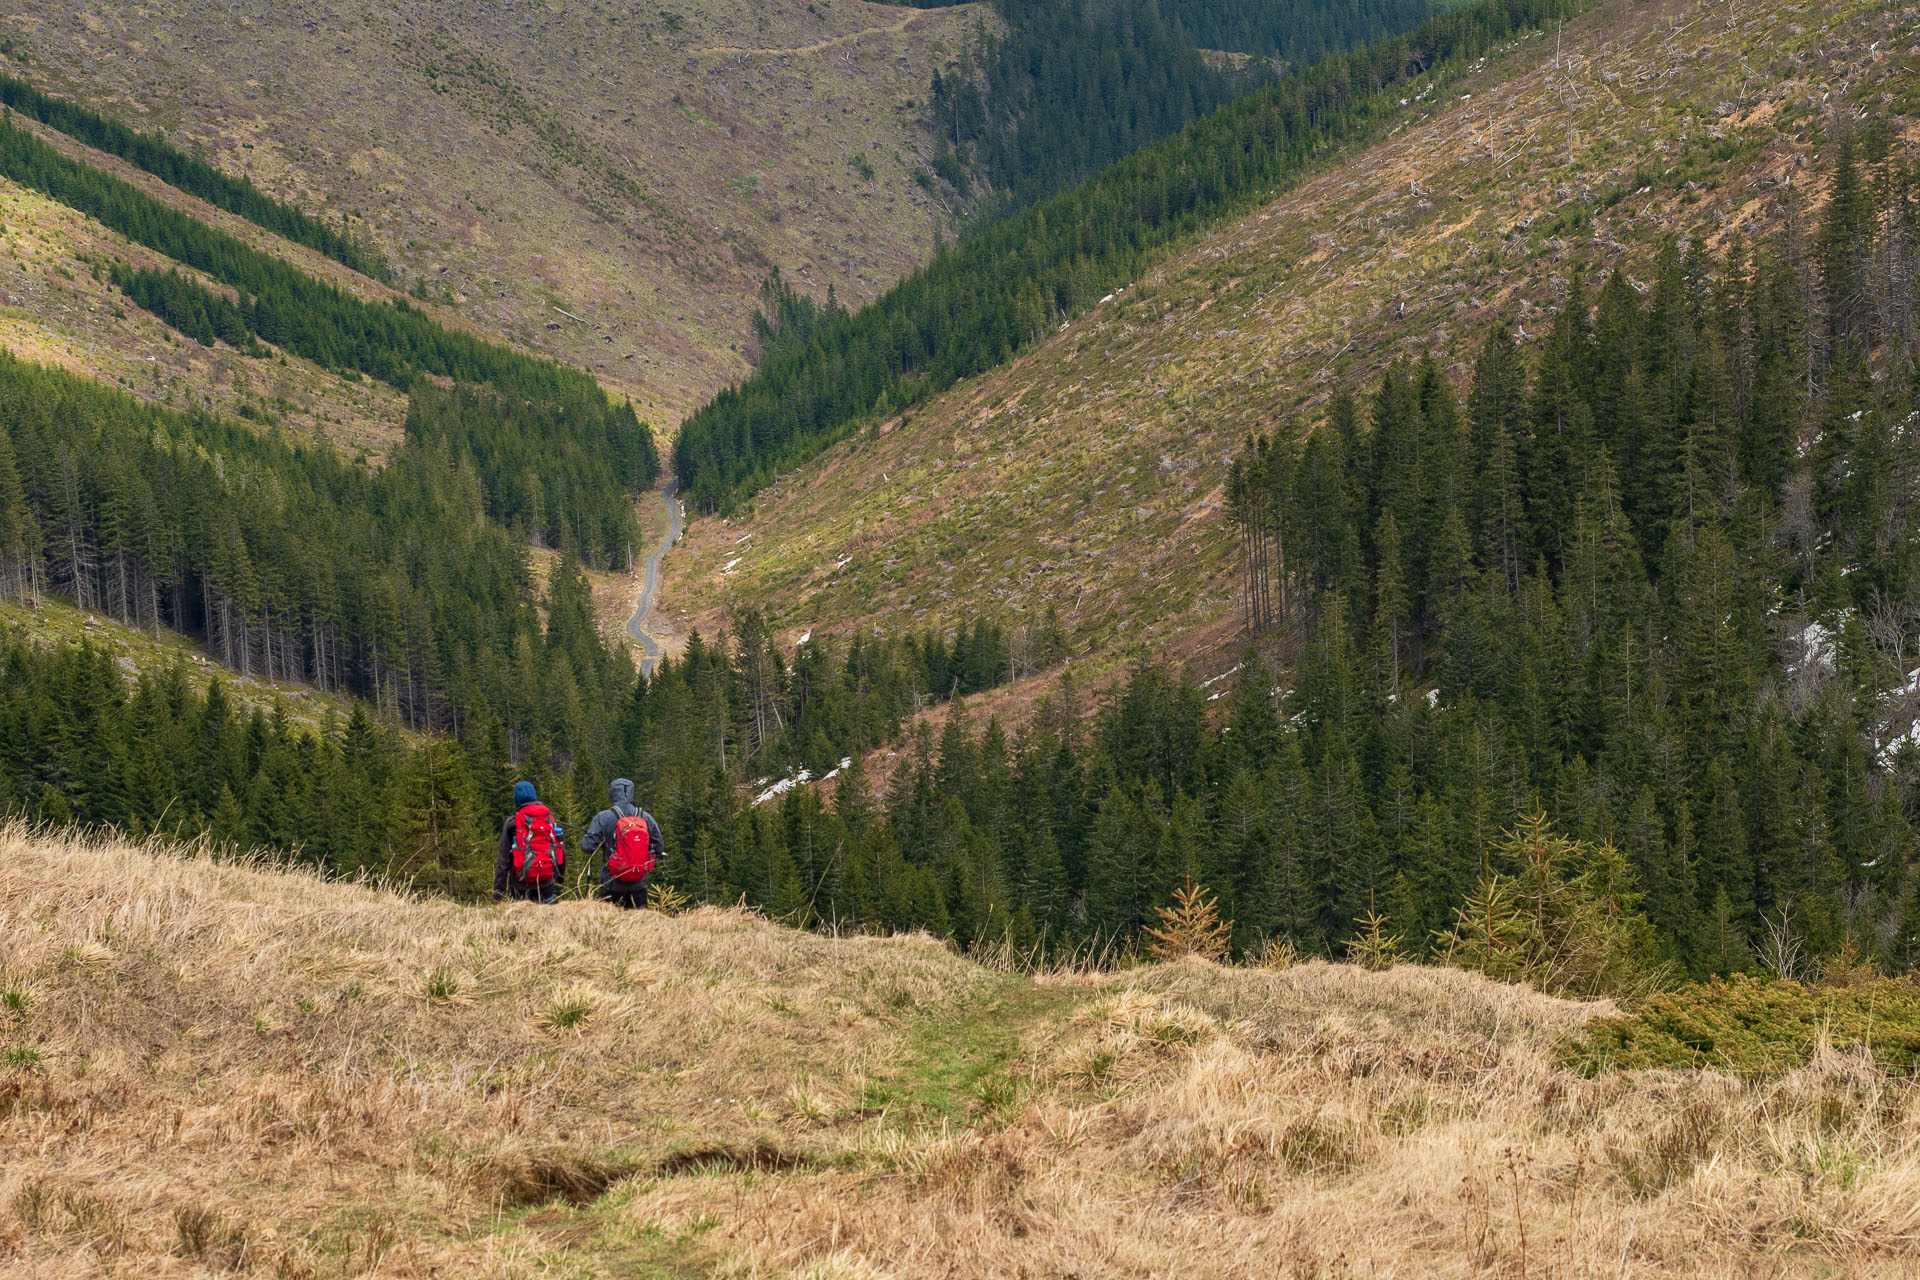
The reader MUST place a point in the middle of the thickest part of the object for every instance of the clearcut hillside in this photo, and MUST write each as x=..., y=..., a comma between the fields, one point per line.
x=209, y=1068
x=1088, y=474
x=605, y=184
x=57, y=307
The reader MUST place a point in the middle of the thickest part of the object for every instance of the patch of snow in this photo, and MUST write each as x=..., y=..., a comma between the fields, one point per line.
x=1433, y=697
x=1816, y=649
x=1890, y=750
x=804, y=637
x=783, y=786
x=728, y=566
x=1222, y=676
x=1901, y=697
x=1215, y=697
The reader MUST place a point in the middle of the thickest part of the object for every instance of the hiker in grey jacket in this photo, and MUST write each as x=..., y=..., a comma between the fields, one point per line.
x=602, y=839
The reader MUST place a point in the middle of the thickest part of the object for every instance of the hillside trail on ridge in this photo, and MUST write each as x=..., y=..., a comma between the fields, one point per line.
x=821, y=46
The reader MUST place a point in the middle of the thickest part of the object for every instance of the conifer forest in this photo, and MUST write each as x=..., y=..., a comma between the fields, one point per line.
x=1653, y=573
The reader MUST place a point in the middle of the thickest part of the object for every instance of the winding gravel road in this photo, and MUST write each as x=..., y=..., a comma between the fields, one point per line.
x=650, y=584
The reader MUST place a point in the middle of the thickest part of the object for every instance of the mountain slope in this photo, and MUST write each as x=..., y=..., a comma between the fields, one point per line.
x=55, y=309
x=52, y=624
x=214, y=1068
x=607, y=186
x=1088, y=474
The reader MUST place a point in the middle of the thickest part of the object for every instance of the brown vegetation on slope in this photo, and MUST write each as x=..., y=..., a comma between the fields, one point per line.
x=210, y=1068
x=1089, y=472
x=607, y=184
x=54, y=311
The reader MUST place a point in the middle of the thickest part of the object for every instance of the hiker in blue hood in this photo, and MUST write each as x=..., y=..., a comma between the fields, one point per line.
x=628, y=840
x=532, y=856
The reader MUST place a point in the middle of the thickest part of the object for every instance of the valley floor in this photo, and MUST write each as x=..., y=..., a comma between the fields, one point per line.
x=215, y=1068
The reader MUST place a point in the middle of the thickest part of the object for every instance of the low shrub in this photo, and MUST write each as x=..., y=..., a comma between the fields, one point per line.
x=1755, y=1025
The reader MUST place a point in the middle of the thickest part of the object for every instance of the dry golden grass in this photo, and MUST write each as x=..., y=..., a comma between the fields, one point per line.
x=253, y=1072
x=265, y=1051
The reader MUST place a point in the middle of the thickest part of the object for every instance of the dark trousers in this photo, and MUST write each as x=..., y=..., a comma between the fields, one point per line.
x=628, y=897
x=522, y=891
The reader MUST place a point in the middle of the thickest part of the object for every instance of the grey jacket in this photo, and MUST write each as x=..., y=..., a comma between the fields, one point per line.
x=599, y=838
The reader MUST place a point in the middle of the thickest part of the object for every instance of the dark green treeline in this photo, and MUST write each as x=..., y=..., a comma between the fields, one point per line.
x=555, y=461
x=291, y=563
x=192, y=175
x=1661, y=573
x=1067, y=88
x=81, y=745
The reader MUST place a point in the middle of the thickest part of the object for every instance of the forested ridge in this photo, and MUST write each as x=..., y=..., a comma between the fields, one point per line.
x=391, y=341
x=409, y=586
x=1070, y=88
x=283, y=559
x=1011, y=283
x=1067, y=90
x=191, y=174
x=1267, y=29
x=1657, y=574
x=1653, y=575
x=554, y=460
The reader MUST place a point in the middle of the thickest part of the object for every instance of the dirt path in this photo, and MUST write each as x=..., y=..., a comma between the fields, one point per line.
x=650, y=584
x=823, y=45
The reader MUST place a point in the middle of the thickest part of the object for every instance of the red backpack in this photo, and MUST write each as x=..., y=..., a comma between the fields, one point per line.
x=536, y=848
x=631, y=860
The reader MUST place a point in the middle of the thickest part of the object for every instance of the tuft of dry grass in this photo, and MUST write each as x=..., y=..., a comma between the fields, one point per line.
x=247, y=1071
